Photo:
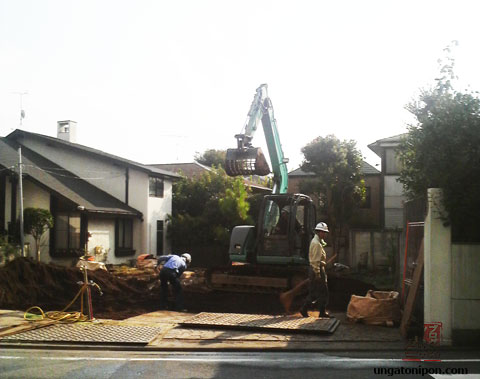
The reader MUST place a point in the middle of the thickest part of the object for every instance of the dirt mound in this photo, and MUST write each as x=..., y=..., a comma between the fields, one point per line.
x=25, y=283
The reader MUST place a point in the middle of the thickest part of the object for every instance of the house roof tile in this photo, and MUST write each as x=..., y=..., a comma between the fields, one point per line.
x=380, y=144
x=19, y=134
x=366, y=169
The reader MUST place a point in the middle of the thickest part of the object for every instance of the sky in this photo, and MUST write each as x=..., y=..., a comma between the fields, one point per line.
x=159, y=81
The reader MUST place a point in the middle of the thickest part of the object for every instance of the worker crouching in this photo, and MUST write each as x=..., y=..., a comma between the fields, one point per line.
x=172, y=270
x=318, y=289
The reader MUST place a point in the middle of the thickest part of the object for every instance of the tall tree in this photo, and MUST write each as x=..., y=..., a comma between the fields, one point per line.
x=205, y=210
x=337, y=183
x=212, y=157
x=442, y=150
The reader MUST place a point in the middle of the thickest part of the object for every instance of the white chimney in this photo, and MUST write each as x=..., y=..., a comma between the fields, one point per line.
x=67, y=130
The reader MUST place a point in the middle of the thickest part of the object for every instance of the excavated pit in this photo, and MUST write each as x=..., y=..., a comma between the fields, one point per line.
x=25, y=283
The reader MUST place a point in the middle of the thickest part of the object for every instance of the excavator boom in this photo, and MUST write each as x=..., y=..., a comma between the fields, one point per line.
x=271, y=254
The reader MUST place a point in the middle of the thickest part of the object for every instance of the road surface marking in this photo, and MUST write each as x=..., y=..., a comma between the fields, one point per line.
x=237, y=359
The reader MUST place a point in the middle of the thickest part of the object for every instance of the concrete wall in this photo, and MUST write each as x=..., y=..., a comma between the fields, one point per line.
x=438, y=267
x=452, y=279
x=465, y=293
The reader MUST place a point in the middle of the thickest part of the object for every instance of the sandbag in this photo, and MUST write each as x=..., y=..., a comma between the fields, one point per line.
x=375, y=308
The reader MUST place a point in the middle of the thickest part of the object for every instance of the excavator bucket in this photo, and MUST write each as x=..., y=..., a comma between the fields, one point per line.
x=248, y=161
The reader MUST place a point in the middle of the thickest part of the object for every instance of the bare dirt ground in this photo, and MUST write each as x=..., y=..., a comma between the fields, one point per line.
x=25, y=283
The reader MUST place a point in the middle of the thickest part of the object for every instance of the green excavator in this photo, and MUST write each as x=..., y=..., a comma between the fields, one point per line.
x=273, y=254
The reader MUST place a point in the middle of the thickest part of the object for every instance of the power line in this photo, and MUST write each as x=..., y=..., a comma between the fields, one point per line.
x=8, y=168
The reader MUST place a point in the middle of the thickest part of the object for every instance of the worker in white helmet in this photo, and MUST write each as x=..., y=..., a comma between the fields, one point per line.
x=172, y=270
x=318, y=289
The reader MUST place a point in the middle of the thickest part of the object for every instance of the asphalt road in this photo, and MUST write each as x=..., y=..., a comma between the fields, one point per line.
x=38, y=363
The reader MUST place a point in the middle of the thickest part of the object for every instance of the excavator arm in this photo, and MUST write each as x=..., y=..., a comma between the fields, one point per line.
x=248, y=160
x=269, y=255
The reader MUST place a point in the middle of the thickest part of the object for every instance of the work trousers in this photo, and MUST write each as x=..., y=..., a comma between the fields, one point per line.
x=318, y=291
x=167, y=276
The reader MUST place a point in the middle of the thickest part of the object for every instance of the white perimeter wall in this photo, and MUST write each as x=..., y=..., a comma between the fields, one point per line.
x=466, y=287
x=438, y=267
x=452, y=276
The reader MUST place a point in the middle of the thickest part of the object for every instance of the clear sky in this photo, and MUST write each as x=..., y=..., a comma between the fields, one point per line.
x=157, y=81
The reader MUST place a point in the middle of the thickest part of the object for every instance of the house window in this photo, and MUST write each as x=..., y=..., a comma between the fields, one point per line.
x=124, y=237
x=156, y=187
x=367, y=203
x=160, y=225
x=67, y=232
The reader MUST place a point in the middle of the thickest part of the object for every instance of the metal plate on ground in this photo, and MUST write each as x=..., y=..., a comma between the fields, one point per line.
x=286, y=324
x=85, y=332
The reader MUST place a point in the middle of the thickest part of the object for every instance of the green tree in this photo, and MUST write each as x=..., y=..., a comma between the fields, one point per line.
x=442, y=150
x=337, y=183
x=204, y=212
x=36, y=222
x=212, y=157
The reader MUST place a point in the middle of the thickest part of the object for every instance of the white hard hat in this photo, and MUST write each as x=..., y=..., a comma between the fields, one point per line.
x=322, y=226
x=188, y=257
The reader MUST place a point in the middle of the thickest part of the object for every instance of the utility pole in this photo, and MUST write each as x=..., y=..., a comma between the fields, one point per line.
x=20, y=181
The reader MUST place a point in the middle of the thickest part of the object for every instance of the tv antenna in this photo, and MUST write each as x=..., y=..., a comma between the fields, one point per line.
x=22, y=111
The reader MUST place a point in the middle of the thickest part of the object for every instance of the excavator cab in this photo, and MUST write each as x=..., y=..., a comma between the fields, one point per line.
x=282, y=235
x=285, y=229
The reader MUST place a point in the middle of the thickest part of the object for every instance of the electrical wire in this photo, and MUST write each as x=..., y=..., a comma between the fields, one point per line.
x=60, y=316
x=7, y=168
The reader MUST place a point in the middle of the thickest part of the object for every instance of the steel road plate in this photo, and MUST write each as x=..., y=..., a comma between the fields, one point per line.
x=96, y=333
x=263, y=322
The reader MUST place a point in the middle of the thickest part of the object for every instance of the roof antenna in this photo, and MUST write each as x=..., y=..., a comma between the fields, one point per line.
x=22, y=111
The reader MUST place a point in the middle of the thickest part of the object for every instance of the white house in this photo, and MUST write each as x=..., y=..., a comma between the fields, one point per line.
x=121, y=203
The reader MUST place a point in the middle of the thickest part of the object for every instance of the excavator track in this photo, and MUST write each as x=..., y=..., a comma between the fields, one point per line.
x=256, y=279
